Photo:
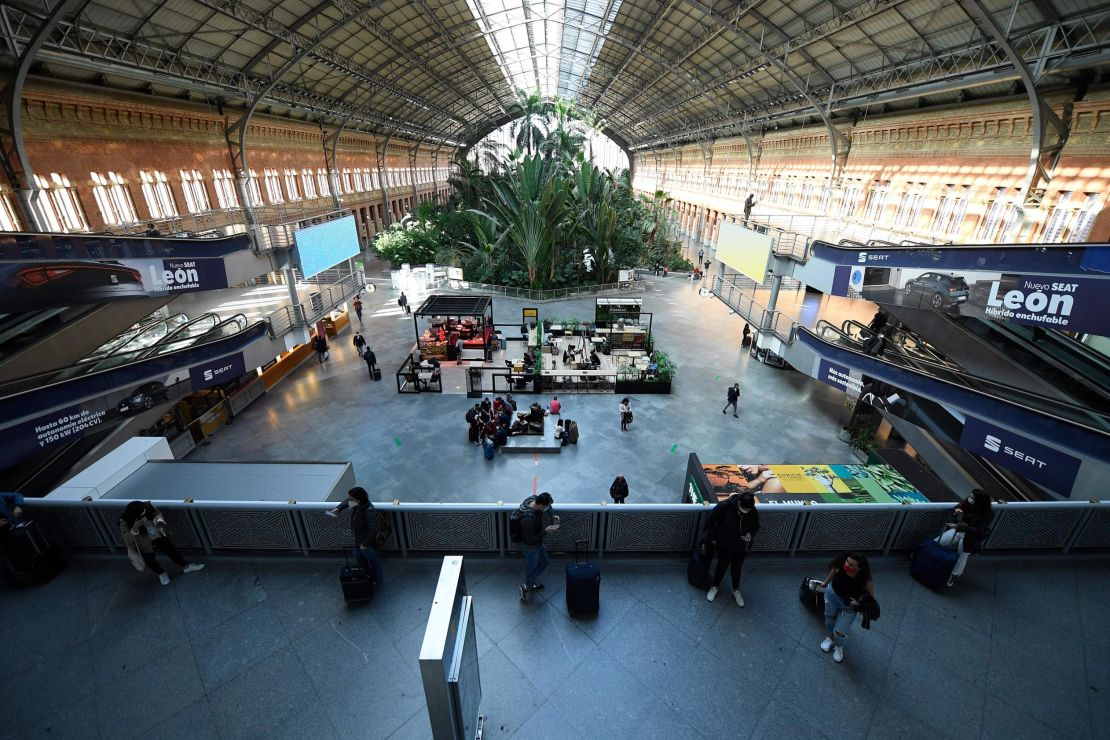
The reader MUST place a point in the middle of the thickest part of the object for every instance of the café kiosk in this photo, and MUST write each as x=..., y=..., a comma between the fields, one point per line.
x=439, y=322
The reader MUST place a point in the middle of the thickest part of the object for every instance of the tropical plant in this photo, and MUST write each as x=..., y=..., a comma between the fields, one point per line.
x=531, y=110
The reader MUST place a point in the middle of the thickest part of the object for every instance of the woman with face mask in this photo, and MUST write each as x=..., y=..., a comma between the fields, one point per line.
x=364, y=527
x=970, y=523
x=731, y=531
x=848, y=581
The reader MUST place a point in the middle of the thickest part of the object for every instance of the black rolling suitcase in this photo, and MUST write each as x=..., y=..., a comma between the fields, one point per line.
x=356, y=584
x=583, y=584
x=812, y=595
x=697, y=570
x=29, y=557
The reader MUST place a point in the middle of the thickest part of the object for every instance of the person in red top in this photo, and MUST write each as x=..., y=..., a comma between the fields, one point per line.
x=555, y=406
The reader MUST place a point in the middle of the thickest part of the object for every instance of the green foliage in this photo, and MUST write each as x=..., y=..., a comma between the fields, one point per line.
x=861, y=432
x=665, y=367
x=542, y=215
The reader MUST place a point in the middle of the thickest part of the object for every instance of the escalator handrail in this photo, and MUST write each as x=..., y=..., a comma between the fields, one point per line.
x=931, y=354
x=240, y=319
x=173, y=335
x=19, y=246
x=44, y=381
x=1005, y=394
x=1081, y=352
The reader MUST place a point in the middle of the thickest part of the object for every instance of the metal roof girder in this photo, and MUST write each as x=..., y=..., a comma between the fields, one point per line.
x=430, y=15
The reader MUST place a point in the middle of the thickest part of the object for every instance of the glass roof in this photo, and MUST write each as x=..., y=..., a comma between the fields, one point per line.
x=549, y=45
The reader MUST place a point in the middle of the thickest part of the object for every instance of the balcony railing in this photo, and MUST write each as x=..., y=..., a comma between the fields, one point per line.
x=224, y=527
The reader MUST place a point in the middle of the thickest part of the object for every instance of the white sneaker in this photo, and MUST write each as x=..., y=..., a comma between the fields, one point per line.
x=193, y=567
x=165, y=579
x=739, y=599
x=712, y=594
x=826, y=644
x=838, y=653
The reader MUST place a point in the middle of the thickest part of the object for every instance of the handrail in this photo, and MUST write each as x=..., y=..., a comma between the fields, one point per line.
x=19, y=246
x=435, y=527
x=553, y=294
x=996, y=392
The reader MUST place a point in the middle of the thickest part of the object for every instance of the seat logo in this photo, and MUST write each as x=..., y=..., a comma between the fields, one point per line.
x=862, y=257
x=992, y=443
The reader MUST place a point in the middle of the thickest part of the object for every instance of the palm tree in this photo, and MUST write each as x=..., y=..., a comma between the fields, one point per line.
x=532, y=109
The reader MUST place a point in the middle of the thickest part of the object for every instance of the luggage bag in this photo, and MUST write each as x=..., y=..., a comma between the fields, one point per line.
x=697, y=570
x=377, y=373
x=487, y=448
x=933, y=563
x=29, y=557
x=812, y=595
x=356, y=584
x=583, y=584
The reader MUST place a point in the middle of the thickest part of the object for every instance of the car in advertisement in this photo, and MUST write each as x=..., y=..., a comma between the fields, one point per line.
x=936, y=289
x=144, y=397
x=71, y=283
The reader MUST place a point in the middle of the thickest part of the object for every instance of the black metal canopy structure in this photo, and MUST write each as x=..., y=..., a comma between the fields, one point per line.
x=658, y=73
x=455, y=306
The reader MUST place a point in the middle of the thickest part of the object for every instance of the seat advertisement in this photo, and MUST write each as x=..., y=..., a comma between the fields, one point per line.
x=796, y=484
x=1066, y=303
x=1035, y=461
x=32, y=285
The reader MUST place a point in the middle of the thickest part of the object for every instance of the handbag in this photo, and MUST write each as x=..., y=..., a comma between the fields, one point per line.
x=136, y=559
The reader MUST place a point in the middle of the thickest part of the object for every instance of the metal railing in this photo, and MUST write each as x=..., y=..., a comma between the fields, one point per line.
x=555, y=294
x=316, y=307
x=431, y=528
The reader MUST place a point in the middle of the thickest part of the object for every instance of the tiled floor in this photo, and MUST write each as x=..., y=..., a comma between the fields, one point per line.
x=1017, y=650
x=414, y=447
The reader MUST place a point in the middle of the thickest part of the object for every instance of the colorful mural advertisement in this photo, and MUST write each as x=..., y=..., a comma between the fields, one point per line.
x=794, y=484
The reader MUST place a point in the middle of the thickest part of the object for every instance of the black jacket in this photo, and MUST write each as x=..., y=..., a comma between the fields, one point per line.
x=364, y=525
x=319, y=343
x=533, y=524
x=733, y=394
x=974, y=527
x=359, y=341
x=369, y=357
x=726, y=524
x=619, y=489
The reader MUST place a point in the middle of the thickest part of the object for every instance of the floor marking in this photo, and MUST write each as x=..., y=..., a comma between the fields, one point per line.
x=535, y=482
x=674, y=447
x=717, y=378
x=536, y=458
x=397, y=441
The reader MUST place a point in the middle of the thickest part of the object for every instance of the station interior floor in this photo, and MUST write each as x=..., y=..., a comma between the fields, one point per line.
x=1019, y=649
x=414, y=447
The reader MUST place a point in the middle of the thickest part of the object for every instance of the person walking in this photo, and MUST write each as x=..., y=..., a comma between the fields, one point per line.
x=746, y=340
x=143, y=529
x=358, y=308
x=749, y=203
x=707, y=264
x=619, y=489
x=403, y=302
x=459, y=349
x=626, y=414
x=320, y=345
x=359, y=342
x=536, y=521
x=364, y=528
x=701, y=255
x=731, y=530
x=733, y=399
x=371, y=361
x=846, y=585
x=970, y=524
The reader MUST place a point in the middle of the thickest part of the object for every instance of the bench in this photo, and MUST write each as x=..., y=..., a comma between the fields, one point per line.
x=528, y=443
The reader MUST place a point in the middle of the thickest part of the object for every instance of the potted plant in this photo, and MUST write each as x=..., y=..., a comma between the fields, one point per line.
x=861, y=434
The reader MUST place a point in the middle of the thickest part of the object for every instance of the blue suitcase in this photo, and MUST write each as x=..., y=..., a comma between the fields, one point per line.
x=487, y=448
x=583, y=584
x=933, y=563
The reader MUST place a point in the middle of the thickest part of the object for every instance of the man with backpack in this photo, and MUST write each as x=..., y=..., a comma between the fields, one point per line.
x=733, y=399
x=528, y=525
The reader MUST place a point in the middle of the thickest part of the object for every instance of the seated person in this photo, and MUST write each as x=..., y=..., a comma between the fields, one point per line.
x=651, y=369
x=561, y=434
x=595, y=361
x=518, y=427
x=533, y=414
x=555, y=406
x=498, y=340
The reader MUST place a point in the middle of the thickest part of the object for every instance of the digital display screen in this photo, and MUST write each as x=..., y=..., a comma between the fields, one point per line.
x=744, y=250
x=326, y=245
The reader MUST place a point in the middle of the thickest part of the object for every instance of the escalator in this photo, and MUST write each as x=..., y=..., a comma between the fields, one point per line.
x=63, y=295
x=1081, y=428
x=41, y=412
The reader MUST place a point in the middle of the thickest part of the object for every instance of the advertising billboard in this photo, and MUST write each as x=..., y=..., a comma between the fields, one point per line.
x=28, y=286
x=1037, y=462
x=744, y=250
x=1068, y=303
x=795, y=484
x=326, y=245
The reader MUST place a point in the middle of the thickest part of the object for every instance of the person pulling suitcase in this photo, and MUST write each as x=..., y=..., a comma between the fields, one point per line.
x=369, y=534
x=529, y=525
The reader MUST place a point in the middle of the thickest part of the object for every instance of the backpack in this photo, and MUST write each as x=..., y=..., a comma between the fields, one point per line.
x=385, y=527
x=516, y=528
